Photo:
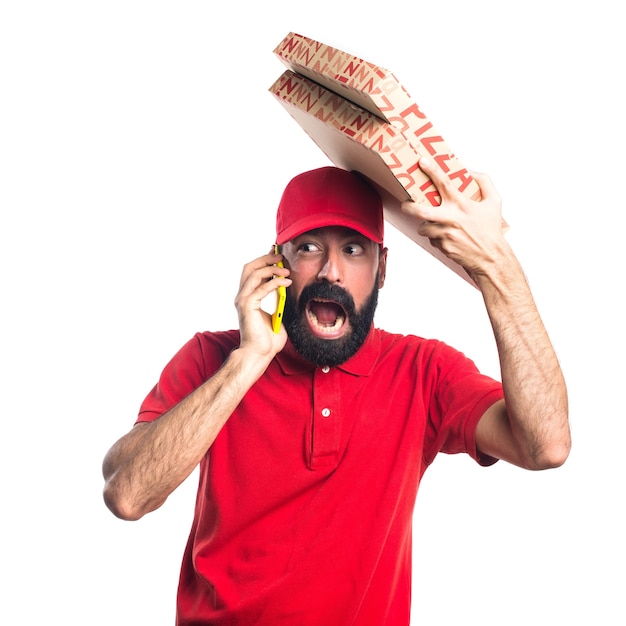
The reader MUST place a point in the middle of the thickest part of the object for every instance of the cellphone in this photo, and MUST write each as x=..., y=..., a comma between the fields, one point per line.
x=281, y=296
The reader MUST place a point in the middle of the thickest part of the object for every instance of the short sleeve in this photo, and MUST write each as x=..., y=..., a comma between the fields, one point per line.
x=189, y=368
x=460, y=395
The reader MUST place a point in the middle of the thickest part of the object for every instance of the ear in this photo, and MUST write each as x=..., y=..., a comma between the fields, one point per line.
x=382, y=267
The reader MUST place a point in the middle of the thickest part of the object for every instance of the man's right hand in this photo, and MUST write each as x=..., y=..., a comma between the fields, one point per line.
x=258, y=279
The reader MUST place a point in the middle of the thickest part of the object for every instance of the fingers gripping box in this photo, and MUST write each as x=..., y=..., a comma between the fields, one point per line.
x=362, y=118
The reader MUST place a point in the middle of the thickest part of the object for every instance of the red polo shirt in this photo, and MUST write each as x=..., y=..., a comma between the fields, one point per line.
x=305, y=499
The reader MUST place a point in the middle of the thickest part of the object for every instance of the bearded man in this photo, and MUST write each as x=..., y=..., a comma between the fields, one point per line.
x=312, y=441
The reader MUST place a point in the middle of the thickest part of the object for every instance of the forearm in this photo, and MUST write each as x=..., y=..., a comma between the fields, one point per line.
x=534, y=387
x=147, y=465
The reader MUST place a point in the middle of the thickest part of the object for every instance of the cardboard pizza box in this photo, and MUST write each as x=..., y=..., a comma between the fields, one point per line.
x=378, y=91
x=356, y=139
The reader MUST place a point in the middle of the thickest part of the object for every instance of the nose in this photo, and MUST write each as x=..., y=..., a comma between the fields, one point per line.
x=331, y=268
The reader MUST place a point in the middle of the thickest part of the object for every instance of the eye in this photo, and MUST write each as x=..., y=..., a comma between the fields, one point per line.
x=308, y=246
x=353, y=249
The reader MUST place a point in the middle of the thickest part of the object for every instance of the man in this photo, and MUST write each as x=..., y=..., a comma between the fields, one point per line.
x=312, y=441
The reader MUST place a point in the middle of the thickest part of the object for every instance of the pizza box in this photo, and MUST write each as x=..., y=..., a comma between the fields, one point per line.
x=378, y=91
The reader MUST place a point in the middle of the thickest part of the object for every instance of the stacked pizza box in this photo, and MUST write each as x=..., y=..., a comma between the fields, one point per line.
x=363, y=119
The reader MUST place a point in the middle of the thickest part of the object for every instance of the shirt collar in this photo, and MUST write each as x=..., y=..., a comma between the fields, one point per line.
x=361, y=364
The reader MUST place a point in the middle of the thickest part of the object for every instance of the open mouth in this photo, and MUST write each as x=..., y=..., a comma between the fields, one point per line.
x=325, y=316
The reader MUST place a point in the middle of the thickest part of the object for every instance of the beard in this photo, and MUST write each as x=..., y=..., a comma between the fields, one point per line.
x=328, y=352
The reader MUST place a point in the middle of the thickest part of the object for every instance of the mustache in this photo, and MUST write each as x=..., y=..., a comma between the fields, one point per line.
x=326, y=291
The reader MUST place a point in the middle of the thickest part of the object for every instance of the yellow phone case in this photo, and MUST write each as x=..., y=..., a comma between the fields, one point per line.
x=281, y=296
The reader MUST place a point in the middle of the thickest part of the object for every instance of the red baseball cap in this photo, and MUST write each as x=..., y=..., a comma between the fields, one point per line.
x=329, y=196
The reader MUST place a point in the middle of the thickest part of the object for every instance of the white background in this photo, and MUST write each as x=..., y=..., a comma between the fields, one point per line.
x=131, y=194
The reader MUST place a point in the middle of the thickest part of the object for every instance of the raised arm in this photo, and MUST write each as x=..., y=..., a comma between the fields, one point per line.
x=148, y=463
x=530, y=428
